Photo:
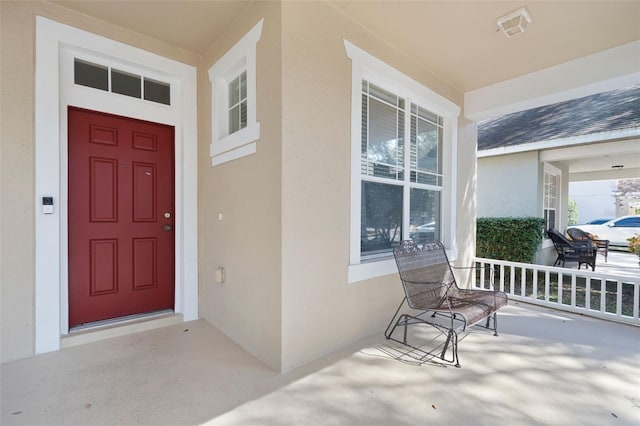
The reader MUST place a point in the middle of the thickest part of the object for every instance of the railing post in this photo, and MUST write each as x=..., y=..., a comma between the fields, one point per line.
x=619, y=298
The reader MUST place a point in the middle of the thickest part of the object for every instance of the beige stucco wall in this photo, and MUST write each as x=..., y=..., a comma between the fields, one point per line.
x=320, y=310
x=247, y=192
x=500, y=177
x=17, y=208
x=284, y=235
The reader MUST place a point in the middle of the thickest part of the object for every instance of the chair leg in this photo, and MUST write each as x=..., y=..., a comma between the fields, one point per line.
x=446, y=344
x=452, y=339
x=495, y=323
x=455, y=349
x=390, y=329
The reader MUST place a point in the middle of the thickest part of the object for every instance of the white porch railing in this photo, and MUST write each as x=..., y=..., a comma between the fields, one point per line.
x=590, y=293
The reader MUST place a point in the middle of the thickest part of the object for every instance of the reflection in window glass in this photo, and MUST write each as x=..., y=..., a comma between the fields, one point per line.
x=90, y=75
x=381, y=217
x=157, y=91
x=382, y=133
x=126, y=84
x=234, y=119
x=424, y=215
x=426, y=147
x=238, y=103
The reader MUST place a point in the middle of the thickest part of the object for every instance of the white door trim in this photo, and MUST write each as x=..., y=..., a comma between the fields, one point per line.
x=56, y=46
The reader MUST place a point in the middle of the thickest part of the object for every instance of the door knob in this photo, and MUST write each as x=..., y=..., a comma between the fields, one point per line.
x=167, y=228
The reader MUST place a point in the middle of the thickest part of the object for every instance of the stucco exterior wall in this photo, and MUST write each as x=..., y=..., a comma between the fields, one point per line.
x=321, y=311
x=508, y=185
x=247, y=192
x=284, y=235
x=17, y=208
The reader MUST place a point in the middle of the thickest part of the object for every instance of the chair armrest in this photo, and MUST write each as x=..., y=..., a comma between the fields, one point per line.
x=581, y=243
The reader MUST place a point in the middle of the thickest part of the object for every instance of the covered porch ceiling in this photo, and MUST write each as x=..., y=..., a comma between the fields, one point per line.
x=598, y=161
x=459, y=41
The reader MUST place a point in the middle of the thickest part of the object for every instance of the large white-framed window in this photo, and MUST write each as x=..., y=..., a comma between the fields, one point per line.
x=551, y=196
x=233, y=93
x=403, y=149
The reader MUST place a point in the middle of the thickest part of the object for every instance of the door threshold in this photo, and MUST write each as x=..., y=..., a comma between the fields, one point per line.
x=100, y=330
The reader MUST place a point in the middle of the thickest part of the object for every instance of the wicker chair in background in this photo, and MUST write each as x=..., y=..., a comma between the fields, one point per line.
x=577, y=234
x=573, y=251
x=430, y=289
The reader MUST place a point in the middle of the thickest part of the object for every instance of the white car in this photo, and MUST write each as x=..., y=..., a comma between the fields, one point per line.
x=617, y=231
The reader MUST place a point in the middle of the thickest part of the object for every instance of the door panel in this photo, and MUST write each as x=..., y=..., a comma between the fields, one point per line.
x=103, y=190
x=121, y=251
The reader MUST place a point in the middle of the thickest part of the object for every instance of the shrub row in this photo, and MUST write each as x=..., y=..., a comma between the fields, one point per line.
x=514, y=239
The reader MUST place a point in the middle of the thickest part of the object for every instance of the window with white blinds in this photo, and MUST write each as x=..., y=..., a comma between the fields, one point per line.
x=400, y=182
x=403, y=165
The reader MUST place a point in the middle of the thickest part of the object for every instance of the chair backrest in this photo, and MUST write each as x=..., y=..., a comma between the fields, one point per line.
x=425, y=273
x=578, y=234
x=559, y=240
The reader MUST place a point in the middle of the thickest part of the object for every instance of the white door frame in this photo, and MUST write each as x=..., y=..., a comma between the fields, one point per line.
x=56, y=47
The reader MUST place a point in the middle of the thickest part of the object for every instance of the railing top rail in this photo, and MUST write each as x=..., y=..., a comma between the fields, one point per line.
x=579, y=273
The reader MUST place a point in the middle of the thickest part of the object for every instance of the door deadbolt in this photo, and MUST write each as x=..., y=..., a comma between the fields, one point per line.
x=167, y=215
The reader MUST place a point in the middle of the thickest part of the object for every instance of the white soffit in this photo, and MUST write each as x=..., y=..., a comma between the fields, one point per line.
x=562, y=142
x=601, y=72
x=629, y=148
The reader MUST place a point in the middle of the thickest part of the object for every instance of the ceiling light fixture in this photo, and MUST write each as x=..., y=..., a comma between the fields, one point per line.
x=515, y=22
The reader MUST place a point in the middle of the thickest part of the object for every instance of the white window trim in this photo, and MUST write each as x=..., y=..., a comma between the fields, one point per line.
x=56, y=45
x=241, y=57
x=367, y=67
x=553, y=170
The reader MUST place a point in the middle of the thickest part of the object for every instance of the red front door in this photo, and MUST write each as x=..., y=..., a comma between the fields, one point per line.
x=121, y=216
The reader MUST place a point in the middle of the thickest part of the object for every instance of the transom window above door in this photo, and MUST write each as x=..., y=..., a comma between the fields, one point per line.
x=112, y=80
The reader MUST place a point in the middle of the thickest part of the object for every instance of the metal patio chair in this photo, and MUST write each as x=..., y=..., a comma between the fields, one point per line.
x=436, y=300
x=577, y=234
x=583, y=252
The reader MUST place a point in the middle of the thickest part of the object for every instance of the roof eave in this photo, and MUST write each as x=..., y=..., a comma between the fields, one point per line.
x=608, y=136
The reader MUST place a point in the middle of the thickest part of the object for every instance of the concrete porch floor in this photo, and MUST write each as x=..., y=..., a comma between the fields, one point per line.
x=546, y=367
x=618, y=262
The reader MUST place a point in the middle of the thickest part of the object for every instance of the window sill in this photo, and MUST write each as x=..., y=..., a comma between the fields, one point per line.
x=234, y=154
x=235, y=140
x=372, y=269
x=379, y=267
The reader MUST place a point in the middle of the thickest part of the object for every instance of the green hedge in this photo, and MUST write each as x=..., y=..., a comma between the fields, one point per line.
x=515, y=239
